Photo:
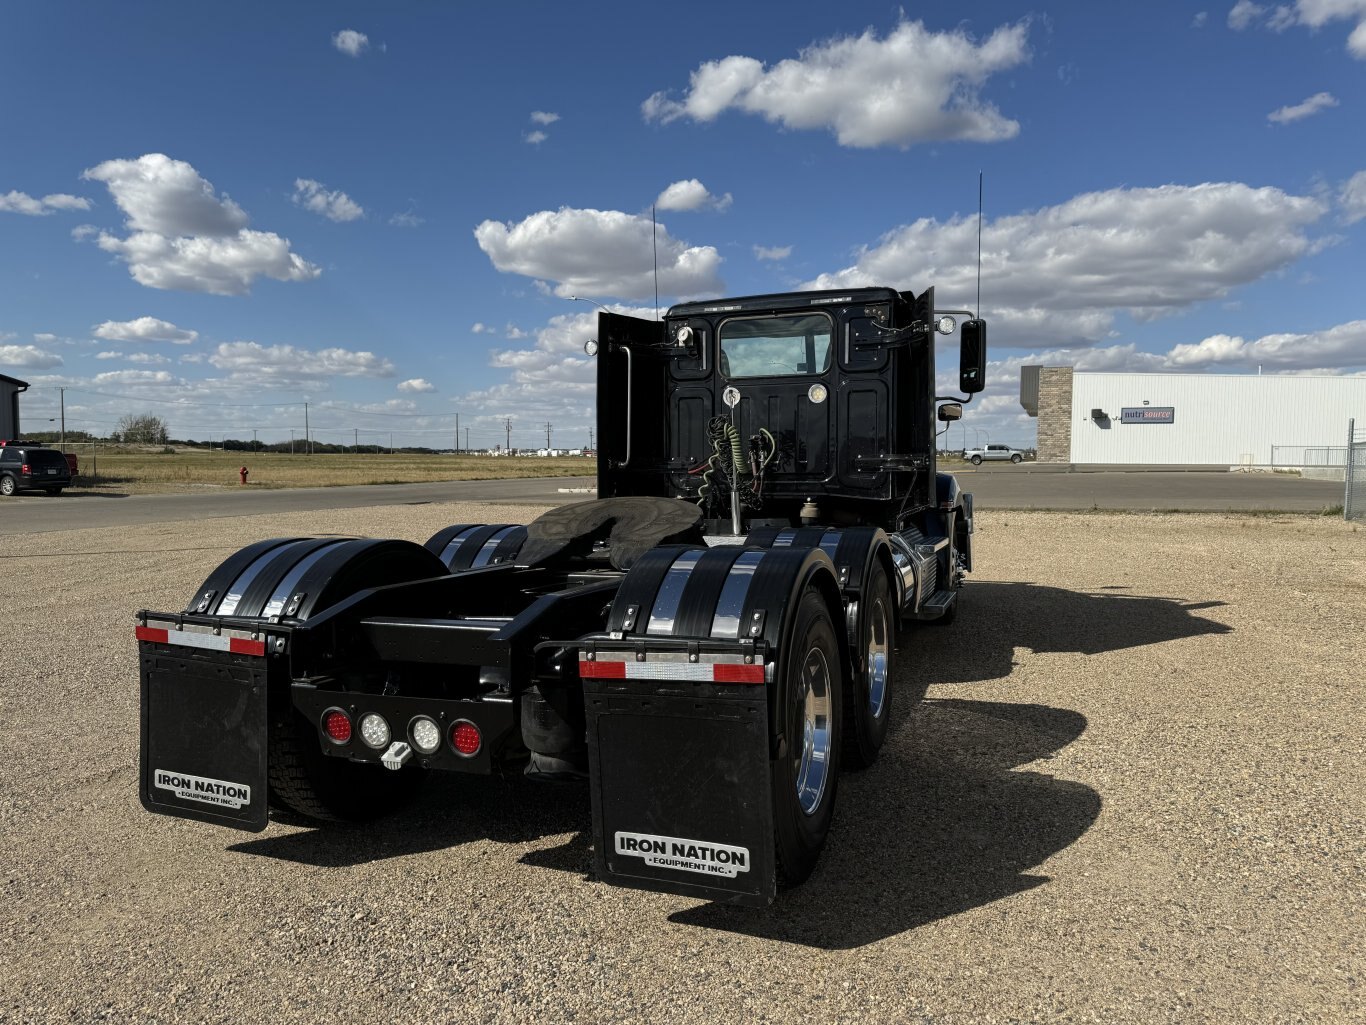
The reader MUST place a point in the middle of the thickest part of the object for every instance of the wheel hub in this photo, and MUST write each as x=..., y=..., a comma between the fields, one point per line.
x=817, y=739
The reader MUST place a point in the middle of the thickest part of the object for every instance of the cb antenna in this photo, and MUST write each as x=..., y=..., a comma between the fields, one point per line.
x=654, y=252
x=978, y=315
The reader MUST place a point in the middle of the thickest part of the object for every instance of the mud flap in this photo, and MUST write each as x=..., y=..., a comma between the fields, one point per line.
x=204, y=736
x=681, y=791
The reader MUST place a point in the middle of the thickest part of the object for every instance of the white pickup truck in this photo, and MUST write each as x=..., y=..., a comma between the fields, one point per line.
x=1001, y=452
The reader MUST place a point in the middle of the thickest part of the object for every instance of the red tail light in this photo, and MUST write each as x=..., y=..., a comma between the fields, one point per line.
x=466, y=738
x=337, y=726
x=25, y=470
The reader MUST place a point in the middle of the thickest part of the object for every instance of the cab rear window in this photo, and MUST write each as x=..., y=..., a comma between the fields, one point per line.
x=43, y=458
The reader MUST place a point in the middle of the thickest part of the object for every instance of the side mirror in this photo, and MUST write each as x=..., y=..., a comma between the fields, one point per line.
x=972, y=360
x=950, y=411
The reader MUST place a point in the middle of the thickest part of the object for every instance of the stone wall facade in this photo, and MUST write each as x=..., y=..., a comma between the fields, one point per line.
x=1055, y=415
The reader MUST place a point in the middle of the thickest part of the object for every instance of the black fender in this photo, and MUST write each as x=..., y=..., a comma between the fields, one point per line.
x=294, y=579
x=726, y=594
x=853, y=551
x=955, y=510
x=474, y=545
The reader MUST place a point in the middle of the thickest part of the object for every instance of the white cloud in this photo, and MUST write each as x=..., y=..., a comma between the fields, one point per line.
x=1310, y=107
x=28, y=357
x=691, y=194
x=148, y=358
x=544, y=117
x=1313, y=14
x=109, y=355
x=22, y=203
x=481, y=329
x=168, y=197
x=1243, y=14
x=599, y=253
x=183, y=236
x=351, y=42
x=914, y=86
x=1061, y=273
x=334, y=205
x=279, y=363
x=137, y=377
x=774, y=253
x=553, y=380
x=84, y=231
x=1341, y=346
x=1352, y=198
x=416, y=384
x=535, y=138
x=514, y=332
x=144, y=329
x=1201, y=17
x=407, y=219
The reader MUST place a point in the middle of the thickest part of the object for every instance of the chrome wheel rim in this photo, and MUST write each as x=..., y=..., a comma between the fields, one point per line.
x=813, y=767
x=879, y=651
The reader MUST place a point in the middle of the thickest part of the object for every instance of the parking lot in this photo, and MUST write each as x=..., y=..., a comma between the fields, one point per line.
x=1131, y=790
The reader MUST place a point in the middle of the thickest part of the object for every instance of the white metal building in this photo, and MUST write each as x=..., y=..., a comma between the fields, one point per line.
x=1228, y=419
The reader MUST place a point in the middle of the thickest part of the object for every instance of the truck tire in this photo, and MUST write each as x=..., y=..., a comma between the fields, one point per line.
x=314, y=785
x=976, y=460
x=869, y=706
x=7, y=487
x=806, y=770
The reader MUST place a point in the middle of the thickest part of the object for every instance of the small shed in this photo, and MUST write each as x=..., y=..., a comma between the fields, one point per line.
x=10, y=387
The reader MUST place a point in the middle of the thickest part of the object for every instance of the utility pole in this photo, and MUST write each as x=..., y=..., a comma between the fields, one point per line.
x=355, y=434
x=457, y=433
x=590, y=439
x=63, y=442
x=291, y=441
x=547, y=436
x=391, y=442
x=467, y=439
x=253, y=439
x=507, y=425
x=308, y=438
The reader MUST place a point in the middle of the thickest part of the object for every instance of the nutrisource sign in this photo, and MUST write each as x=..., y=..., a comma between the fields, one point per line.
x=1147, y=415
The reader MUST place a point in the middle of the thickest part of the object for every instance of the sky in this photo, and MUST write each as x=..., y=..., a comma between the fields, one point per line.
x=218, y=213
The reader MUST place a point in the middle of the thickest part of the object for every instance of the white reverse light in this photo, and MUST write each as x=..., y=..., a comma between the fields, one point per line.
x=946, y=325
x=426, y=734
x=817, y=393
x=374, y=730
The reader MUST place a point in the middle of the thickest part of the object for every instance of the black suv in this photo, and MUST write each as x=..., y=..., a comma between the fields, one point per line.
x=32, y=468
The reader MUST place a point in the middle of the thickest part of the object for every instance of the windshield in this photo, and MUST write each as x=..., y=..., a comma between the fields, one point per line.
x=797, y=345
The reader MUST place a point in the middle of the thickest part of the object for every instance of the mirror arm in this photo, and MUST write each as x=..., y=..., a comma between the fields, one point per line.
x=952, y=398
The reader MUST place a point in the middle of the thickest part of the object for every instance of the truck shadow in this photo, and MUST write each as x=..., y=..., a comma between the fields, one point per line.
x=450, y=811
x=998, y=616
x=940, y=825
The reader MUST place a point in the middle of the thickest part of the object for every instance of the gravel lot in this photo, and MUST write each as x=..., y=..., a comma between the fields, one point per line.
x=1133, y=792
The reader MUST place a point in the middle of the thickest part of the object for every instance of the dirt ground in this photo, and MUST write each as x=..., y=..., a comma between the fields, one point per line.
x=1134, y=791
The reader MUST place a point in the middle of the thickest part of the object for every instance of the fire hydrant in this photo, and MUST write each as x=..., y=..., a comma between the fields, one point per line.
x=243, y=472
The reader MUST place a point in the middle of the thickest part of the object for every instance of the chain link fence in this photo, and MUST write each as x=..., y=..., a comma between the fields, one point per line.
x=1354, y=495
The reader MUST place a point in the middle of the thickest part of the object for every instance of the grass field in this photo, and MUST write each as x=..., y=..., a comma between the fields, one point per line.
x=132, y=470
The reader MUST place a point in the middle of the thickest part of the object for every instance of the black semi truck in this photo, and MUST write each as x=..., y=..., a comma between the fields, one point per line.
x=707, y=644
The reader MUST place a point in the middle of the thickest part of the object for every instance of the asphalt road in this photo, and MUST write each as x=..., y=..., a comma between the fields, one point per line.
x=37, y=513
x=1006, y=487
